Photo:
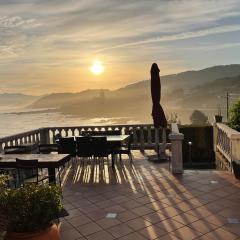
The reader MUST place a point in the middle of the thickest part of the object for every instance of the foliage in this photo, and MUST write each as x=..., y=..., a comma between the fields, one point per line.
x=198, y=118
x=3, y=179
x=31, y=208
x=234, y=116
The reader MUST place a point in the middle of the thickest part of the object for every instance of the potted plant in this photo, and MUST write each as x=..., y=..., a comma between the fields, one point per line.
x=31, y=211
x=218, y=117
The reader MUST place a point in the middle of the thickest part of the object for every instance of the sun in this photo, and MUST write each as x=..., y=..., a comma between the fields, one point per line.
x=97, y=67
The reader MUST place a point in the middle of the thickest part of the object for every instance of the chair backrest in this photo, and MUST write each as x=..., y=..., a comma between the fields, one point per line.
x=84, y=146
x=47, y=148
x=67, y=146
x=100, y=147
x=15, y=149
x=130, y=141
x=114, y=132
x=26, y=164
x=27, y=168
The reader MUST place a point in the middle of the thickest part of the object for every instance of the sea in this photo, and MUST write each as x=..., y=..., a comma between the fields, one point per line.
x=17, y=120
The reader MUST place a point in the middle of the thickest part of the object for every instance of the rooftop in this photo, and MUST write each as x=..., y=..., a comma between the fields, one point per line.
x=143, y=200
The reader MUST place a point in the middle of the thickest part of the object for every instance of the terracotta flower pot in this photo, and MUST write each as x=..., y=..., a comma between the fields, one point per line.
x=50, y=233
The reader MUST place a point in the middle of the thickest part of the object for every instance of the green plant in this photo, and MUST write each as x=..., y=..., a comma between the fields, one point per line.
x=234, y=116
x=31, y=208
x=3, y=179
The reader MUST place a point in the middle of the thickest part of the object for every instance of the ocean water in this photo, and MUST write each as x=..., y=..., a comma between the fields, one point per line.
x=17, y=120
x=13, y=121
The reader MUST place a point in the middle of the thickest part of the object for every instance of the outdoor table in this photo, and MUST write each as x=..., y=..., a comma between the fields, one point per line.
x=113, y=141
x=49, y=161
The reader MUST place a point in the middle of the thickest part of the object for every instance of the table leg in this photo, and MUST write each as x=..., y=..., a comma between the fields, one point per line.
x=52, y=175
x=113, y=159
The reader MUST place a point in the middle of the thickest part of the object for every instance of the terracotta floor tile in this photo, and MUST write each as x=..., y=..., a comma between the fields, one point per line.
x=138, y=223
x=169, y=225
x=186, y=233
x=71, y=234
x=115, y=209
x=200, y=212
x=152, y=232
x=73, y=213
x=145, y=200
x=80, y=220
x=88, y=229
x=101, y=235
x=140, y=211
x=169, y=236
x=133, y=236
x=106, y=223
x=120, y=230
x=170, y=211
x=130, y=204
x=156, y=205
x=221, y=234
x=234, y=228
x=126, y=216
x=98, y=214
x=185, y=218
x=155, y=217
x=202, y=226
x=64, y=225
x=216, y=220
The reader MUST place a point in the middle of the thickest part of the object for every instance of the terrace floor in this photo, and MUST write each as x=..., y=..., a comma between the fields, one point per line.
x=148, y=202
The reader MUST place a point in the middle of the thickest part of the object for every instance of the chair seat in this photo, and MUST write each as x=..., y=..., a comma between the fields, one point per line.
x=121, y=150
x=34, y=179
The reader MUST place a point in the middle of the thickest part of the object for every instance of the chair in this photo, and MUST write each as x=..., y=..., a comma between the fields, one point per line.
x=114, y=132
x=125, y=149
x=50, y=148
x=47, y=148
x=28, y=171
x=15, y=150
x=84, y=147
x=67, y=145
x=100, y=147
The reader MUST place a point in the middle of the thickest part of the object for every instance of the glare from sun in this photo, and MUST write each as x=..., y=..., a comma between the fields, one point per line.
x=97, y=68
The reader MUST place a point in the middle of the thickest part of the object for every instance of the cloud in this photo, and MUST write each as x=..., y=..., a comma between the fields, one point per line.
x=179, y=36
x=17, y=22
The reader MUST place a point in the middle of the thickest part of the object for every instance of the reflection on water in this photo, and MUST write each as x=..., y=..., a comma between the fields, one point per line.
x=12, y=122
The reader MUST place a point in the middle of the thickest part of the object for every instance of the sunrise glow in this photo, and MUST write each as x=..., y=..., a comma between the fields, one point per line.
x=97, y=67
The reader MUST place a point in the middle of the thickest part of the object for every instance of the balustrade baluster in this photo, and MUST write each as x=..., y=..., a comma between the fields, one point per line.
x=141, y=138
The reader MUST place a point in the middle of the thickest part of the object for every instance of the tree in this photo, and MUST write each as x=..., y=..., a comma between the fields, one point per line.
x=234, y=118
x=198, y=118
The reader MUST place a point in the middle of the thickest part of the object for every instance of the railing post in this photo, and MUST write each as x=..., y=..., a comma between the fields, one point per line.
x=141, y=139
x=156, y=139
x=176, y=149
x=134, y=137
x=44, y=136
x=235, y=147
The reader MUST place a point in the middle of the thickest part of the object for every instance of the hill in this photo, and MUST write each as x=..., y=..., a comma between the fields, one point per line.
x=16, y=99
x=180, y=93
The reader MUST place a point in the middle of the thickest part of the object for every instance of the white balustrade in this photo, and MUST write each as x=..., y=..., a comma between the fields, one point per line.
x=227, y=143
x=176, y=149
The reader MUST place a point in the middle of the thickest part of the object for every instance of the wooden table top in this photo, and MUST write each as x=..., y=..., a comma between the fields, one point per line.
x=44, y=160
x=110, y=138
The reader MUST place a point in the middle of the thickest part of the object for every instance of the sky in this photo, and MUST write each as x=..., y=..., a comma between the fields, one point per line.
x=49, y=45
